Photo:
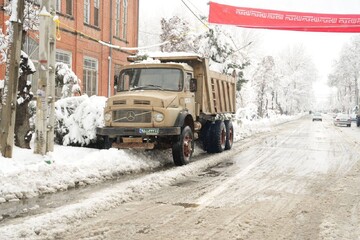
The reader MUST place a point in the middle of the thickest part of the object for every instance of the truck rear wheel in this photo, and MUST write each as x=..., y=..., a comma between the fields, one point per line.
x=229, y=134
x=182, y=150
x=204, y=135
x=217, y=137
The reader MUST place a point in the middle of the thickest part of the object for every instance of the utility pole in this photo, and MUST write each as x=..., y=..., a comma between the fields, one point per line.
x=8, y=111
x=52, y=50
x=44, y=125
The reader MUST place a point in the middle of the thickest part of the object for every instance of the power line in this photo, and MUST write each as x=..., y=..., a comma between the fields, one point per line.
x=194, y=14
x=194, y=6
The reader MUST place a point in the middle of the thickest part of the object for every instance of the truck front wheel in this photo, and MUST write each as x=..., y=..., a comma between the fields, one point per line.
x=106, y=142
x=182, y=150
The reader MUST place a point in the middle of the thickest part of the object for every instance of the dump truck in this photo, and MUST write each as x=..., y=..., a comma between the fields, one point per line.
x=169, y=102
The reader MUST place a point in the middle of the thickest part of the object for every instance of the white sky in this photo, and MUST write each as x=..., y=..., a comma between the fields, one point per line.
x=324, y=48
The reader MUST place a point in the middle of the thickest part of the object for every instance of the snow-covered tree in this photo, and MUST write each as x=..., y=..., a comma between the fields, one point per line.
x=216, y=45
x=263, y=83
x=30, y=22
x=176, y=32
x=23, y=131
x=297, y=74
x=345, y=75
x=3, y=47
x=66, y=79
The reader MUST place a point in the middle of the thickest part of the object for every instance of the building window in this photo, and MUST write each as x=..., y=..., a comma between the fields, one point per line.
x=63, y=57
x=90, y=76
x=124, y=20
x=96, y=12
x=69, y=7
x=87, y=11
x=117, y=18
x=58, y=5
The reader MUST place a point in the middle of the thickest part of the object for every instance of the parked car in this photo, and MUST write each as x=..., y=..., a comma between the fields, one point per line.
x=353, y=117
x=317, y=116
x=342, y=119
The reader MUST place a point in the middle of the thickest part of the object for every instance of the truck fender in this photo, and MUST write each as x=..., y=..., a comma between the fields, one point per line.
x=184, y=119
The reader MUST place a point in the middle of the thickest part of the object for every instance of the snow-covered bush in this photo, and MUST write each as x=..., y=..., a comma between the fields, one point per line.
x=67, y=80
x=77, y=119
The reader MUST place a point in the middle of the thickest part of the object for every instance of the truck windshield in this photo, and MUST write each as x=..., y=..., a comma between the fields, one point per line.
x=166, y=79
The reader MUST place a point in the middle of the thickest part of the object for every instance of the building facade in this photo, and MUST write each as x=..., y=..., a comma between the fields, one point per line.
x=83, y=25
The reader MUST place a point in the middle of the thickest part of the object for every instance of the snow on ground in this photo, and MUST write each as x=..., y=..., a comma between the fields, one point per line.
x=27, y=175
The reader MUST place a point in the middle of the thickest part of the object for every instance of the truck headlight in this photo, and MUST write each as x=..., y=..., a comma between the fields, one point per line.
x=107, y=116
x=158, y=117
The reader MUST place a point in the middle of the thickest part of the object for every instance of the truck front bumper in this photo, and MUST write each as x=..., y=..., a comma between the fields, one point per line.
x=129, y=131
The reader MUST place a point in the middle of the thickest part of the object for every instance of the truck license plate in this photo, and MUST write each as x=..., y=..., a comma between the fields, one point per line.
x=149, y=131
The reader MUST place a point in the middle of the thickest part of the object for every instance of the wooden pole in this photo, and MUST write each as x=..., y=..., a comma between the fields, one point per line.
x=8, y=111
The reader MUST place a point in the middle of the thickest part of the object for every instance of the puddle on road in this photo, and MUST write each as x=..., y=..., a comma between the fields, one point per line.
x=184, y=183
x=184, y=205
x=210, y=173
x=216, y=170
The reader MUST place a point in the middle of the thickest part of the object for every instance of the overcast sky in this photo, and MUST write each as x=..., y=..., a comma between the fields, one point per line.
x=324, y=48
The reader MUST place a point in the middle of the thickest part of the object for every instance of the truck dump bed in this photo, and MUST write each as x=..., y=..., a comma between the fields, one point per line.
x=215, y=92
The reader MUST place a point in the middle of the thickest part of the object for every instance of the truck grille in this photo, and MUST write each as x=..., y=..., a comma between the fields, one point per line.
x=135, y=116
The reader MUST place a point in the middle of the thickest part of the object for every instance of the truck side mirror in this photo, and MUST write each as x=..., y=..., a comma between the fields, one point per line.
x=193, y=85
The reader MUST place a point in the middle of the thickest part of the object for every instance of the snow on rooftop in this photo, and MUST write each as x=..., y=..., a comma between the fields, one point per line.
x=169, y=54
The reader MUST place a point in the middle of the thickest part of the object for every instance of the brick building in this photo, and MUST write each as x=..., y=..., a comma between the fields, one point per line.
x=82, y=24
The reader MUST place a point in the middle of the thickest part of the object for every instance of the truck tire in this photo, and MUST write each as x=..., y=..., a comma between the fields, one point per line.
x=229, y=134
x=183, y=149
x=204, y=135
x=217, y=137
x=107, y=142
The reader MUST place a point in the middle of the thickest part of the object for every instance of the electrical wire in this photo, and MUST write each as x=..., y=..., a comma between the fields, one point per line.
x=194, y=14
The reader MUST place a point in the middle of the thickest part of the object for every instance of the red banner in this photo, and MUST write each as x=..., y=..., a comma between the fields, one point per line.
x=280, y=20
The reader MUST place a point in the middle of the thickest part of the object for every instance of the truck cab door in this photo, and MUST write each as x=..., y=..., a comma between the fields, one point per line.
x=189, y=98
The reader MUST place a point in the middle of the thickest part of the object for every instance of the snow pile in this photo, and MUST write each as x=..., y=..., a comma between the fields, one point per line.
x=27, y=175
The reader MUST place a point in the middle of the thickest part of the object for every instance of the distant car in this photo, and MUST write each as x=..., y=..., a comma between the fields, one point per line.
x=353, y=117
x=317, y=116
x=342, y=119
